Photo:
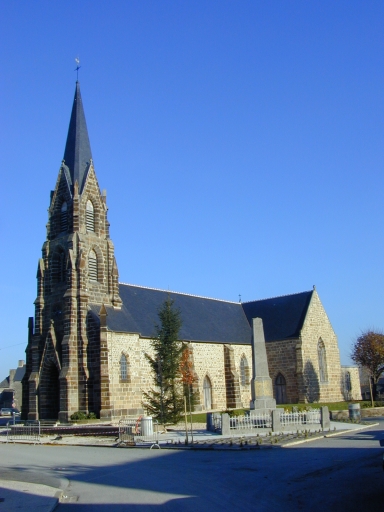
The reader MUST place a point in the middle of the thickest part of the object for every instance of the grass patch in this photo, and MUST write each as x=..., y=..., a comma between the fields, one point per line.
x=332, y=406
x=199, y=417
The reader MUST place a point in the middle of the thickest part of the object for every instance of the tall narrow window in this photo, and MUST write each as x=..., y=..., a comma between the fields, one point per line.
x=207, y=388
x=92, y=265
x=58, y=266
x=244, y=371
x=123, y=367
x=63, y=218
x=348, y=383
x=90, y=216
x=280, y=389
x=323, y=373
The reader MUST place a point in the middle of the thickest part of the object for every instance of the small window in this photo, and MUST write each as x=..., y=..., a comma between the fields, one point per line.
x=123, y=367
x=323, y=373
x=90, y=216
x=63, y=218
x=92, y=266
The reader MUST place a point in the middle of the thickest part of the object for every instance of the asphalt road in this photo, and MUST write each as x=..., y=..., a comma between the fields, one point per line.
x=334, y=474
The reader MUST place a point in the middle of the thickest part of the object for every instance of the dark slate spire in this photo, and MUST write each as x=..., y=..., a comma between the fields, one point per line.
x=77, y=154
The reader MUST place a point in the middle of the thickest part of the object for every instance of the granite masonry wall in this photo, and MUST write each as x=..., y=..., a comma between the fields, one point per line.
x=317, y=328
x=282, y=359
x=351, y=388
x=297, y=360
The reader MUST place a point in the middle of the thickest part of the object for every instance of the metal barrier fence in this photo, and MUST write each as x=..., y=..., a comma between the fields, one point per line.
x=250, y=422
x=300, y=418
x=140, y=431
x=28, y=432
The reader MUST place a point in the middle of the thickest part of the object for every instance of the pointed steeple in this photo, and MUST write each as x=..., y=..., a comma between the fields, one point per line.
x=77, y=154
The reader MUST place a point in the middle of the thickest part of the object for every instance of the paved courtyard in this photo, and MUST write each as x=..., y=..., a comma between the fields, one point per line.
x=336, y=473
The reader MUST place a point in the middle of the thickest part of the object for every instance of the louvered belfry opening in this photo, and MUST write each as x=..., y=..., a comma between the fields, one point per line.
x=58, y=266
x=90, y=216
x=64, y=218
x=92, y=266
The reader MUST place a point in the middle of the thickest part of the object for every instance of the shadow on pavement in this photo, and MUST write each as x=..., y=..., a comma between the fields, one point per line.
x=315, y=476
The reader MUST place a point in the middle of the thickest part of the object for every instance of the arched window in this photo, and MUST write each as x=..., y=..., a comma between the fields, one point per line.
x=90, y=216
x=123, y=367
x=58, y=266
x=280, y=389
x=63, y=218
x=92, y=266
x=323, y=373
x=207, y=389
x=244, y=371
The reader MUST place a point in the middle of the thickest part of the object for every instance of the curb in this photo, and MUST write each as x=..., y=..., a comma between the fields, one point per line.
x=39, y=496
x=353, y=430
x=334, y=434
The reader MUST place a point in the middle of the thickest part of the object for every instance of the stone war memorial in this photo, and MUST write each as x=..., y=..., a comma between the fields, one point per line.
x=89, y=335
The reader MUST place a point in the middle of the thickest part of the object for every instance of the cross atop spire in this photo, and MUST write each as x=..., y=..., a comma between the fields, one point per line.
x=77, y=154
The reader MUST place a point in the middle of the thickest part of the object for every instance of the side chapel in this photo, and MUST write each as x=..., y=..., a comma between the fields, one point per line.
x=89, y=335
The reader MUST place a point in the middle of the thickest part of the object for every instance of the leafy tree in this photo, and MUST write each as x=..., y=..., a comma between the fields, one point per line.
x=188, y=377
x=165, y=402
x=368, y=352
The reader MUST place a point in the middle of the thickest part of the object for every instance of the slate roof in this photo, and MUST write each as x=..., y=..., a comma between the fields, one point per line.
x=283, y=317
x=19, y=374
x=4, y=383
x=206, y=319
x=77, y=153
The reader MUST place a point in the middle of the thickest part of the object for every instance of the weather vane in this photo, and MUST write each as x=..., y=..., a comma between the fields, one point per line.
x=77, y=60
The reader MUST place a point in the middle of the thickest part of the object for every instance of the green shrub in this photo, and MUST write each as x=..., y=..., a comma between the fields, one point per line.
x=234, y=412
x=78, y=415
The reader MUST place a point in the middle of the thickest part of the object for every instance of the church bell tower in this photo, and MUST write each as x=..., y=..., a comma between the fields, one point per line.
x=77, y=272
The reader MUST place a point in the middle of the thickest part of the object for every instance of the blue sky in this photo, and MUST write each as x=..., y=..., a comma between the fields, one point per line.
x=240, y=143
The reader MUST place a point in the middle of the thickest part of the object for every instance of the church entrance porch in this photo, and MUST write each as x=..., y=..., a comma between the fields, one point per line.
x=49, y=392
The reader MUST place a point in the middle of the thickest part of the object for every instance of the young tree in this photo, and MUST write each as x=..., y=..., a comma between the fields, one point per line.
x=188, y=377
x=165, y=401
x=368, y=351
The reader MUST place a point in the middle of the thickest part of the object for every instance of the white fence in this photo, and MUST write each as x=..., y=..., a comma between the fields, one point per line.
x=298, y=419
x=276, y=420
x=250, y=422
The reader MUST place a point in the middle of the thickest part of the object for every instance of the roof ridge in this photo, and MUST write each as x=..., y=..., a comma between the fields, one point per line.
x=277, y=297
x=179, y=293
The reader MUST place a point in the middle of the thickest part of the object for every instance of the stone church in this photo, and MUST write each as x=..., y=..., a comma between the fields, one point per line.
x=89, y=335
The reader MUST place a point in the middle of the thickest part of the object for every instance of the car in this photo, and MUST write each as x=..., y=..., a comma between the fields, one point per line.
x=6, y=411
x=9, y=411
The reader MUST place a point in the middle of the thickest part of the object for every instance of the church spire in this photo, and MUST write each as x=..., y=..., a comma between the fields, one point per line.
x=77, y=154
